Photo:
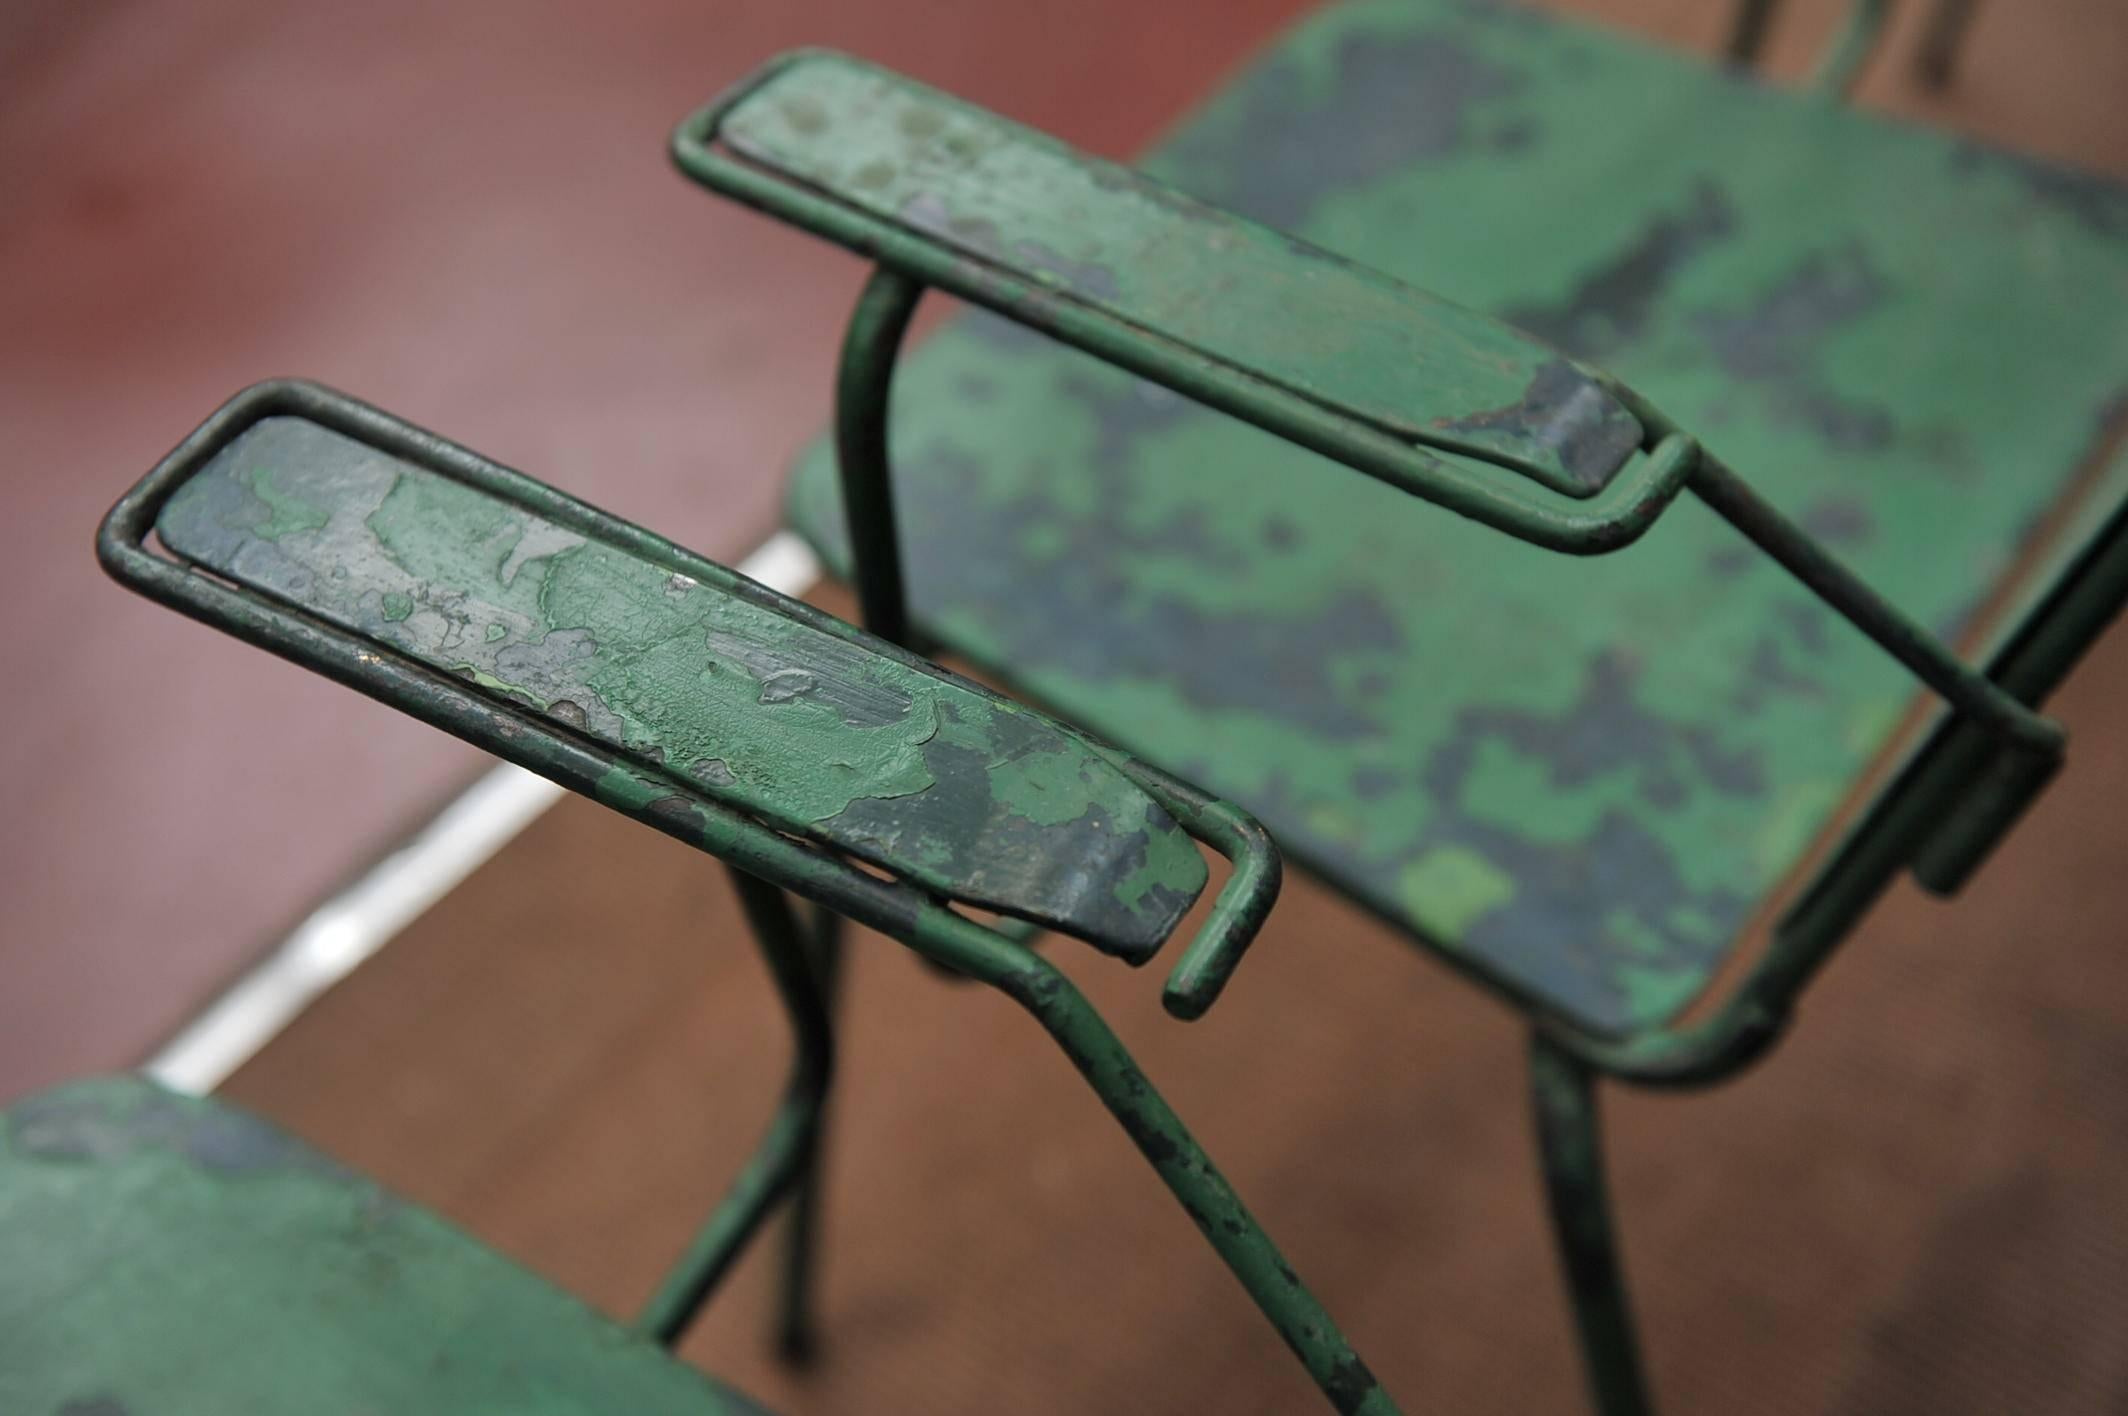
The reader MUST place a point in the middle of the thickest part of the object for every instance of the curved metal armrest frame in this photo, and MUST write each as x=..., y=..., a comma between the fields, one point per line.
x=537, y=743
x=898, y=910
x=908, y=262
x=1610, y=519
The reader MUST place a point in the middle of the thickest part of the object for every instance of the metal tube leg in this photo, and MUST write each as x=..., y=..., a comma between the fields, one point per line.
x=870, y=348
x=796, y=1330
x=1938, y=53
x=1747, y=33
x=1841, y=66
x=781, y=1158
x=863, y=380
x=1196, y=1183
x=1571, y=1148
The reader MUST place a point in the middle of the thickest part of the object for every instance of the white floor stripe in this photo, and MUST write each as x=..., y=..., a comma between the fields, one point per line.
x=360, y=920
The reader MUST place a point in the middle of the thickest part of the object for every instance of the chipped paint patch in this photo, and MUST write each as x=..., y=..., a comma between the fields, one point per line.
x=1455, y=885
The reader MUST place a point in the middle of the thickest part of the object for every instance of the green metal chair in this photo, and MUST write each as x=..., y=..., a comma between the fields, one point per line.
x=807, y=755
x=1582, y=778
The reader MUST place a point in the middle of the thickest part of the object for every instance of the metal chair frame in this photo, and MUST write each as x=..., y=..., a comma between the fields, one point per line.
x=1951, y=801
x=764, y=864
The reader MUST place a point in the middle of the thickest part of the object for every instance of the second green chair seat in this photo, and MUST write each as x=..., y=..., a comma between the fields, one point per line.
x=1580, y=779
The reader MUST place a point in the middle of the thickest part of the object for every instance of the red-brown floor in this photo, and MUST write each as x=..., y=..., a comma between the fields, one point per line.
x=462, y=212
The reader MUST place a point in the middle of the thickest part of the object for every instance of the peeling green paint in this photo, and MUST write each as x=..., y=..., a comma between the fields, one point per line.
x=1400, y=359
x=1459, y=885
x=1644, y=746
x=925, y=776
x=284, y=512
x=1043, y=787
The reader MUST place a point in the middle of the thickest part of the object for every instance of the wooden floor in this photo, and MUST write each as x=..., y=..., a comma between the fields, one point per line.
x=1915, y=1207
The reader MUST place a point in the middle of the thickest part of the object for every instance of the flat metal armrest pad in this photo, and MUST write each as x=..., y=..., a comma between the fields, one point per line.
x=1432, y=398
x=660, y=682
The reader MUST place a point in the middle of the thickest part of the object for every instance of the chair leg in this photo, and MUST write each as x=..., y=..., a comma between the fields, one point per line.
x=1747, y=32
x=1182, y=1165
x=1938, y=52
x=784, y=1156
x=1571, y=1148
x=796, y=1330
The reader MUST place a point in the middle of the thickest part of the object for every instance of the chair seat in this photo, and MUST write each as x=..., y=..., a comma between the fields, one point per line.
x=1579, y=779
x=167, y=1254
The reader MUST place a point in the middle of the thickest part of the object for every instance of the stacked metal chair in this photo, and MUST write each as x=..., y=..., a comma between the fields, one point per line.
x=171, y=1253
x=1737, y=408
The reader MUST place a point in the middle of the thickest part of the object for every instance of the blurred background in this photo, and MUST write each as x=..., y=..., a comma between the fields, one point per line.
x=464, y=213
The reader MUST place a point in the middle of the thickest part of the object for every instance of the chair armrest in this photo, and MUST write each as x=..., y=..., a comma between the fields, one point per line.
x=1433, y=398
x=657, y=681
